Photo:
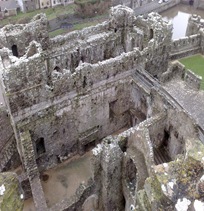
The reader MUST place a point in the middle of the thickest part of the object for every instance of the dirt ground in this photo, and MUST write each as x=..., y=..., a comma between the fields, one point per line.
x=61, y=182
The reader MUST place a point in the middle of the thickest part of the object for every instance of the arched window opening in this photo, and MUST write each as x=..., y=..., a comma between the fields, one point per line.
x=14, y=50
x=151, y=34
x=57, y=69
x=84, y=82
x=40, y=146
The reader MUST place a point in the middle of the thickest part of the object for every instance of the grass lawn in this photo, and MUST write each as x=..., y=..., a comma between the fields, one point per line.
x=196, y=64
x=51, y=13
x=78, y=26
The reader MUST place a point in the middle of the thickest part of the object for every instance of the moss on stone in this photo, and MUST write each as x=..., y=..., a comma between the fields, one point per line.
x=10, y=193
x=158, y=200
x=195, y=149
x=181, y=176
x=143, y=202
x=153, y=189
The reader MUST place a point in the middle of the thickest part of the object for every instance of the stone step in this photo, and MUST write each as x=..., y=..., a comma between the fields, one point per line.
x=161, y=156
x=32, y=172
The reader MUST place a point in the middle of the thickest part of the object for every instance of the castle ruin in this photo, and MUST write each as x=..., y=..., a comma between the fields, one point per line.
x=107, y=90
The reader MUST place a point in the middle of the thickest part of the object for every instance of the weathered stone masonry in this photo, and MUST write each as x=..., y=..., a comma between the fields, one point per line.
x=65, y=95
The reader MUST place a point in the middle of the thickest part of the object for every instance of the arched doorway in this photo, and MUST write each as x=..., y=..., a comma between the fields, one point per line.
x=40, y=146
x=14, y=50
x=151, y=34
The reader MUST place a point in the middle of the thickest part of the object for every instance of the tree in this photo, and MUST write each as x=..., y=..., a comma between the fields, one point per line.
x=91, y=8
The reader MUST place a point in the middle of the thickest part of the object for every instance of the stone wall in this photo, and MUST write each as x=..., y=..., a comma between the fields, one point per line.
x=166, y=6
x=156, y=54
x=146, y=7
x=135, y=3
x=67, y=130
x=162, y=191
x=53, y=69
x=66, y=97
x=194, y=24
x=137, y=156
x=111, y=188
x=179, y=132
x=18, y=37
x=133, y=152
x=107, y=169
x=202, y=40
x=156, y=128
x=78, y=91
x=5, y=128
x=171, y=133
x=193, y=80
x=176, y=70
x=9, y=157
x=186, y=46
x=40, y=88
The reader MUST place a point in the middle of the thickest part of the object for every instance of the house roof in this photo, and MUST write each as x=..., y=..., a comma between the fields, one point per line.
x=9, y=4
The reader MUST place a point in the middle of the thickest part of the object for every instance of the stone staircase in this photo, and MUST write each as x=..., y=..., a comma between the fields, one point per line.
x=161, y=156
x=32, y=172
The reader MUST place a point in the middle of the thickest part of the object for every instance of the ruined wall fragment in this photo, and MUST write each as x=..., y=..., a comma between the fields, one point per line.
x=11, y=196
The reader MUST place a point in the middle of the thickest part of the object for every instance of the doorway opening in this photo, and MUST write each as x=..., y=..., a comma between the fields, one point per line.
x=40, y=146
x=14, y=50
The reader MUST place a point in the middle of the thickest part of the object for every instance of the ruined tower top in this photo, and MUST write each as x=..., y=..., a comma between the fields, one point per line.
x=121, y=16
x=18, y=37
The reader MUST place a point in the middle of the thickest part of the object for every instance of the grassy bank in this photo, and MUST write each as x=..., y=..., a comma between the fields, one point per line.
x=79, y=26
x=75, y=27
x=196, y=64
x=51, y=13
